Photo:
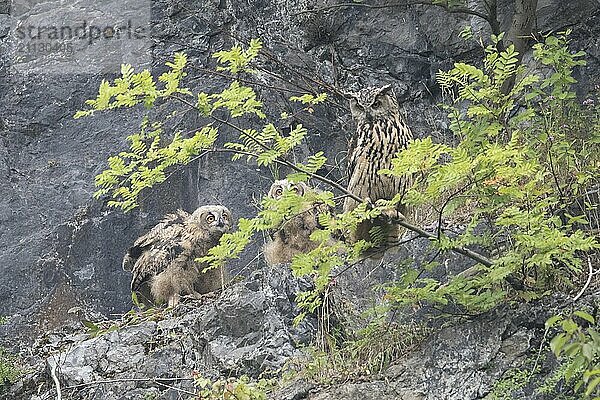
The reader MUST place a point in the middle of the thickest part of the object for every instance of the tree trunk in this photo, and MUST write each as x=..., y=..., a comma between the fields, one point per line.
x=523, y=23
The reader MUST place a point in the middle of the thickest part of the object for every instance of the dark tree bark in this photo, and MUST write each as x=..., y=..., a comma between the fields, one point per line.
x=523, y=23
x=520, y=32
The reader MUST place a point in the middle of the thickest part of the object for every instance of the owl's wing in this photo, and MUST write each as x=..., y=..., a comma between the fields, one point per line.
x=153, y=252
x=170, y=226
x=351, y=158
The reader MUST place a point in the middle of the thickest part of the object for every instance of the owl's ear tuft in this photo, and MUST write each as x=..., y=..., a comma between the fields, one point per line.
x=386, y=89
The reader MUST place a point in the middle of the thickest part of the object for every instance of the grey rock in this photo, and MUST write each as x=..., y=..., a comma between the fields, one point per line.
x=211, y=337
x=459, y=362
x=60, y=249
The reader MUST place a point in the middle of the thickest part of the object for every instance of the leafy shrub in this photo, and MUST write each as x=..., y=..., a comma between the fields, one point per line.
x=577, y=346
x=521, y=165
x=524, y=163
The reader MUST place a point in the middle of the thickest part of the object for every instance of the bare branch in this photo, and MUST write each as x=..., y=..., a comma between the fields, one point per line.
x=422, y=233
x=158, y=381
x=591, y=273
x=460, y=250
x=378, y=251
x=452, y=10
x=54, y=373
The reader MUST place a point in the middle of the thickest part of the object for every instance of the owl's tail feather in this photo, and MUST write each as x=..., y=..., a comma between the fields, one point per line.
x=135, y=282
x=133, y=253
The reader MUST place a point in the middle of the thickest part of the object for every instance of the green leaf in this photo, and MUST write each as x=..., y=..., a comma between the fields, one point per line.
x=551, y=322
x=557, y=343
x=591, y=387
x=92, y=327
x=310, y=99
x=584, y=315
x=569, y=326
x=588, y=351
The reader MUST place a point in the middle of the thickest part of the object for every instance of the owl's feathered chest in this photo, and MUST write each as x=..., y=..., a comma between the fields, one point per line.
x=374, y=147
x=381, y=139
x=196, y=241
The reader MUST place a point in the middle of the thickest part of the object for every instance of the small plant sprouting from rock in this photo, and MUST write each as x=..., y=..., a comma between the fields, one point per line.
x=242, y=388
x=514, y=380
x=9, y=369
x=374, y=348
x=132, y=317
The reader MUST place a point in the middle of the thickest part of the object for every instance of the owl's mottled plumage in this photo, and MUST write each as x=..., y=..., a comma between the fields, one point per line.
x=381, y=133
x=163, y=260
x=292, y=237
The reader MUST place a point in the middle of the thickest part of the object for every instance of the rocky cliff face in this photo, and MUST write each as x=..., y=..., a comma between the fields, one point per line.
x=247, y=330
x=60, y=248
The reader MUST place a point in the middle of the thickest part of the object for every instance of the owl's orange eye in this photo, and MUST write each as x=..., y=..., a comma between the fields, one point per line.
x=279, y=191
x=376, y=103
x=210, y=218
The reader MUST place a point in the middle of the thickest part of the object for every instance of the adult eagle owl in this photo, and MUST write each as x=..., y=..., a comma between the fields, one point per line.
x=163, y=260
x=293, y=236
x=381, y=133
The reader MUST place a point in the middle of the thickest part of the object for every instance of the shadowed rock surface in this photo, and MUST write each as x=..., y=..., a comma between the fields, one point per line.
x=60, y=249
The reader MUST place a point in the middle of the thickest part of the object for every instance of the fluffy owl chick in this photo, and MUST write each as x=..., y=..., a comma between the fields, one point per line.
x=163, y=260
x=293, y=236
x=381, y=133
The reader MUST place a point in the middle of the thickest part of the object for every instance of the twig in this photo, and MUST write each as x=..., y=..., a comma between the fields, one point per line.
x=460, y=250
x=441, y=213
x=117, y=380
x=288, y=164
x=591, y=273
x=307, y=79
x=55, y=379
x=378, y=251
x=263, y=85
x=537, y=358
x=464, y=251
x=180, y=390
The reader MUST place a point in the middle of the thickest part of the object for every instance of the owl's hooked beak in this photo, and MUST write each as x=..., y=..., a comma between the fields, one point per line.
x=221, y=222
